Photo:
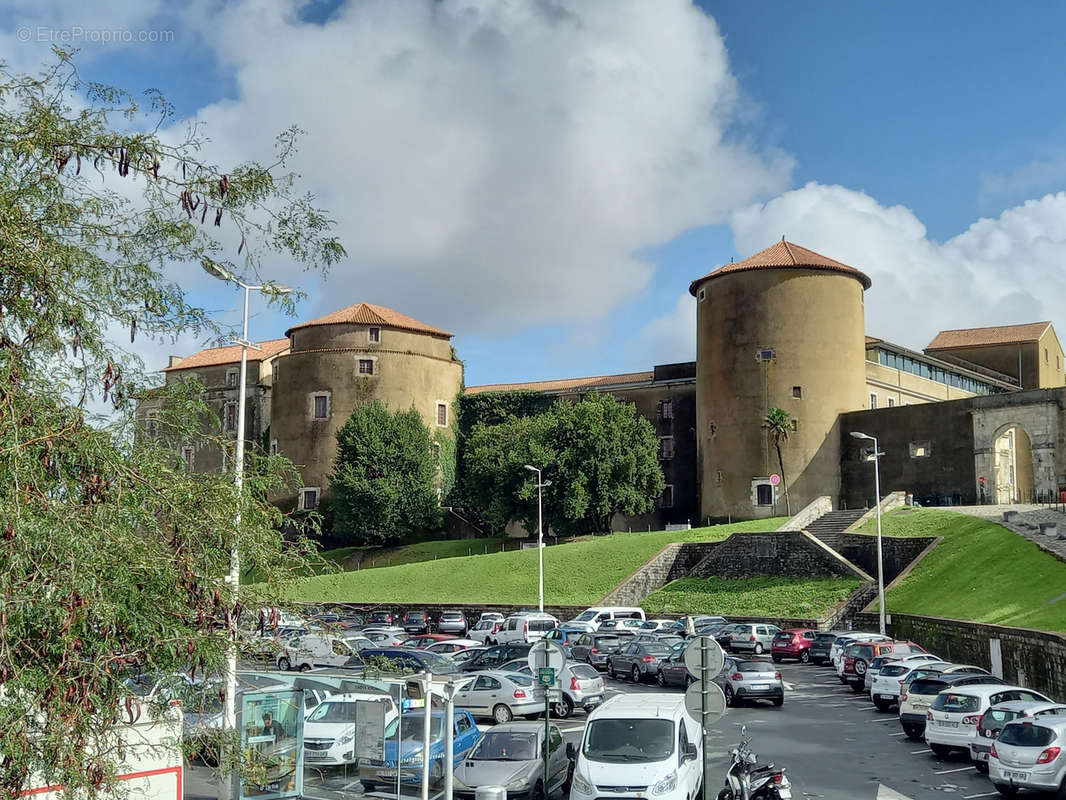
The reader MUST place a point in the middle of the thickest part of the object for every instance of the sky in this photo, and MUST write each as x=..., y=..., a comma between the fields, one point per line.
x=544, y=178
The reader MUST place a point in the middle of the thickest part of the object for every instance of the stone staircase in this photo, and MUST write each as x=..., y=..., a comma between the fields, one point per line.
x=828, y=527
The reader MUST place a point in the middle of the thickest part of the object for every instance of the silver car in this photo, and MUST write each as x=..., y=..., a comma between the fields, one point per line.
x=512, y=756
x=580, y=685
x=453, y=622
x=637, y=661
x=1025, y=756
x=754, y=637
x=750, y=679
x=500, y=695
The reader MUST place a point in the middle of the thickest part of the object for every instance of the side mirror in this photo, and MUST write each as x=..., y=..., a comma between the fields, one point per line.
x=571, y=751
x=691, y=754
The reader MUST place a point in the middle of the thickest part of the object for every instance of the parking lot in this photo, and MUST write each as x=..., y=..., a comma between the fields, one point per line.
x=832, y=741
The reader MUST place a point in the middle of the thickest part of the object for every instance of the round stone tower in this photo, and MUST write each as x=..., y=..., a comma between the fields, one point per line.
x=781, y=329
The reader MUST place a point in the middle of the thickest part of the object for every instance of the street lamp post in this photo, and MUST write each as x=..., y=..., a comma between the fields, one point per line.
x=540, y=535
x=229, y=717
x=880, y=557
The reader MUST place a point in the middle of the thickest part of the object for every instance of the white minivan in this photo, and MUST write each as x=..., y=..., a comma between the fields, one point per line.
x=639, y=745
x=590, y=619
x=525, y=628
x=315, y=650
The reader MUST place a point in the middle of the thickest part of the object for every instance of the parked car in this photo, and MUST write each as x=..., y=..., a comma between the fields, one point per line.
x=384, y=637
x=1027, y=756
x=750, y=679
x=857, y=658
x=501, y=696
x=314, y=650
x=447, y=646
x=380, y=618
x=822, y=645
x=951, y=723
x=836, y=653
x=403, y=659
x=882, y=661
x=485, y=630
x=493, y=615
x=594, y=648
x=639, y=740
x=885, y=687
x=403, y=759
x=564, y=637
x=526, y=628
x=591, y=619
x=792, y=643
x=453, y=622
x=637, y=660
x=329, y=730
x=752, y=637
x=512, y=756
x=993, y=721
x=626, y=626
x=672, y=670
x=724, y=635
x=416, y=622
x=460, y=657
x=425, y=640
x=916, y=697
x=580, y=686
x=493, y=657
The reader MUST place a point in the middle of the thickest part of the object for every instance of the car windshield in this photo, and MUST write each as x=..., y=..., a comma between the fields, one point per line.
x=333, y=711
x=585, y=616
x=629, y=740
x=451, y=615
x=413, y=617
x=584, y=671
x=824, y=638
x=541, y=624
x=952, y=703
x=412, y=728
x=607, y=641
x=754, y=666
x=1026, y=735
x=506, y=746
x=437, y=664
x=894, y=670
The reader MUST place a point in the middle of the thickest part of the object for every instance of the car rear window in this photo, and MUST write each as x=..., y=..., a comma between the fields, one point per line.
x=927, y=686
x=541, y=625
x=1024, y=734
x=825, y=638
x=784, y=636
x=451, y=615
x=656, y=649
x=584, y=671
x=607, y=641
x=1001, y=716
x=861, y=650
x=894, y=670
x=754, y=666
x=952, y=703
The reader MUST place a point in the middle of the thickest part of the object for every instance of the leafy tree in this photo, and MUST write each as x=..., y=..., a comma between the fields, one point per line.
x=384, y=482
x=778, y=424
x=112, y=556
x=601, y=457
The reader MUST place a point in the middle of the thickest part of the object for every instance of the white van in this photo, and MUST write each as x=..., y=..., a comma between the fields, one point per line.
x=525, y=628
x=590, y=619
x=314, y=650
x=640, y=745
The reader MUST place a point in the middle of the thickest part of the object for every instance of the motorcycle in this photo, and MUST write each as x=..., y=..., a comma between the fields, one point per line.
x=746, y=779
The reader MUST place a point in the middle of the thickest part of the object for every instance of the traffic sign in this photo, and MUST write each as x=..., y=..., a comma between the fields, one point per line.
x=775, y=479
x=546, y=654
x=545, y=676
x=699, y=693
x=703, y=654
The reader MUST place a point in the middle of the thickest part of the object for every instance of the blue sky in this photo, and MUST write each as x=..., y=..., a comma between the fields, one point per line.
x=552, y=216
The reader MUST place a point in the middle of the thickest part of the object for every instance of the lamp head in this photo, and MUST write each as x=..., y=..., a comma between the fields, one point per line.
x=216, y=270
x=858, y=435
x=532, y=468
x=276, y=289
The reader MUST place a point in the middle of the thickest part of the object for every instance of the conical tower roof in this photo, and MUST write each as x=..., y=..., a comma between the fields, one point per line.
x=784, y=255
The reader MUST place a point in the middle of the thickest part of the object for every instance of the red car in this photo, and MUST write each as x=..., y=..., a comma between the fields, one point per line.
x=793, y=643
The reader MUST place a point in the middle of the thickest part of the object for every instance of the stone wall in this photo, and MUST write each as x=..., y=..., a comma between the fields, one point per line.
x=472, y=610
x=787, y=554
x=671, y=563
x=861, y=549
x=818, y=507
x=1029, y=657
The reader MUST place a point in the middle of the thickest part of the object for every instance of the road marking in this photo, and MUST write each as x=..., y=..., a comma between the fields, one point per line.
x=916, y=752
x=886, y=719
x=901, y=733
x=949, y=771
x=986, y=794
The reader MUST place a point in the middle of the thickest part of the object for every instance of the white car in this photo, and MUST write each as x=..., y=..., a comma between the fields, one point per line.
x=449, y=646
x=485, y=630
x=885, y=683
x=329, y=730
x=591, y=619
x=315, y=650
x=1027, y=755
x=525, y=628
x=951, y=723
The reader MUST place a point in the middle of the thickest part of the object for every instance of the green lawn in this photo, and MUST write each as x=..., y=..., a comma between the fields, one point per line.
x=980, y=572
x=577, y=573
x=373, y=557
x=751, y=597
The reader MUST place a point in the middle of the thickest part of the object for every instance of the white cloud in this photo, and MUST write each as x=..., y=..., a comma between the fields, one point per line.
x=670, y=338
x=1000, y=271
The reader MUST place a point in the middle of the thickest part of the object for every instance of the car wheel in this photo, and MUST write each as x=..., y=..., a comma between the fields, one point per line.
x=284, y=664
x=538, y=791
x=860, y=666
x=805, y=657
x=981, y=766
x=730, y=698
x=882, y=705
x=1005, y=790
x=502, y=714
x=610, y=669
x=856, y=687
x=369, y=786
x=635, y=674
x=939, y=750
x=436, y=772
x=913, y=732
x=758, y=648
x=660, y=678
x=777, y=659
x=689, y=680
x=564, y=708
x=726, y=794
x=779, y=701
x=305, y=668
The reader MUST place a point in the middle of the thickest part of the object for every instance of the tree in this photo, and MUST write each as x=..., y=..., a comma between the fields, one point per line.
x=601, y=457
x=112, y=556
x=384, y=483
x=778, y=424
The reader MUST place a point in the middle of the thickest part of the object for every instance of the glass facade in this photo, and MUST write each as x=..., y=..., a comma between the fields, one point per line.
x=936, y=373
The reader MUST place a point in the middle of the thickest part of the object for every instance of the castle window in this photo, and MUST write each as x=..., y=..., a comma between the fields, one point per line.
x=152, y=424
x=764, y=494
x=765, y=355
x=666, y=409
x=667, y=500
x=797, y=392
x=321, y=406
x=187, y=457
x=231, y=378
x=719, y=477
x=891, y=402
x=873, y=400
x=920, y=449
x=309, y=498
x=366, y=366
x=274, y=371
x=273, y=447
x=666, y=447
x=229, y=418
x=795, y=424
x=703, y=295
x=374, y=334
x=442, y=415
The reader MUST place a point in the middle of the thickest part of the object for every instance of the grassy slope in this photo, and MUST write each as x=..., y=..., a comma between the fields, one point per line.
x=981, y=572
x=579, y=573
x=751, y=597
x=367, y=557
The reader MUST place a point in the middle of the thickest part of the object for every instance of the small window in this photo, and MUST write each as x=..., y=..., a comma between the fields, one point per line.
x=230, y=417
x=719, y=477
x=274, y=372
x=273, y=447
x=231, y=378
x=1046, y=356
x=795, y=424
x=366, y=366
x=442, y=415
x=668, y=496
x=374, y=334
x=873, y=400
x=187, y=457
x=666, y=447
x=764, y=494
x=703, y=295
x=666, y=409
x=321, y=406
x=797, y=392
x=152, y=424
x=891, y=402
x=308, y=499
x=920, y=449
x=765, y=355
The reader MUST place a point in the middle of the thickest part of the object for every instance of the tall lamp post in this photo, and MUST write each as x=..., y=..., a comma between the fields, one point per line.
x=880, y=558
x=540, y=535
x=229, y=719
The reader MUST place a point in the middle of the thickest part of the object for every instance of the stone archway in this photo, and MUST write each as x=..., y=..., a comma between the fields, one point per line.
x=1012, y=452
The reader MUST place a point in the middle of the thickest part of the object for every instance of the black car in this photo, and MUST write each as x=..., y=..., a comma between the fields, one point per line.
x=416, y=622
x=593, y=648
x=820, y=647
x=380, y=618
x=495, y=656
x=401, y=660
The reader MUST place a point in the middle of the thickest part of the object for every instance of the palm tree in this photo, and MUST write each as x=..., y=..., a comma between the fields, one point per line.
x=779, y=424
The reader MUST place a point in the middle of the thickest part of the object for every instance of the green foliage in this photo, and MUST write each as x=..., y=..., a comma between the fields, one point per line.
x=751, y=597
x=981, y=572
x=444, y=446
x=778, y=424
x=600, y=456
x=383, y=484
x=576, y=573
x=112, y=557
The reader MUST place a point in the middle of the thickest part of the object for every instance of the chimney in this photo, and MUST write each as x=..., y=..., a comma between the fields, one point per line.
x=174, y=361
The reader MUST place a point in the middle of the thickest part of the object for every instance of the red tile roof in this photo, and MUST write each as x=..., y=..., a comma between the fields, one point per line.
x=595, y=382
x=981, y=337
x=231, y=354
x=784, y=255
x=369, y=314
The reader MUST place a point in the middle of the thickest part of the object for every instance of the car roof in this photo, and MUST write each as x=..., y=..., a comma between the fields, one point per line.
x=1056, y=722
x=953, y=678
x=954, y=668
x=986, y=689
x=643, y=706
x=1021, y=705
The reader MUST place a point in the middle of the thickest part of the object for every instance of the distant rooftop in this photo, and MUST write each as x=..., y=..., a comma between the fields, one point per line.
x=369, y=314
x=595, y=382
x=231, y=354
x=784, y=255
x=983, y=337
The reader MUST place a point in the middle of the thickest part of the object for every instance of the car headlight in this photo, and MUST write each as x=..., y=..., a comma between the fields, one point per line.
x=667, y=784
x=582, y=785
x=346, y=738
x=518, y=780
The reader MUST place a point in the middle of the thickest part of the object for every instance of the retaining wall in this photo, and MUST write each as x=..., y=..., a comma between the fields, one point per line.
x=671, y=563
x=785, y=553
x=861, y=549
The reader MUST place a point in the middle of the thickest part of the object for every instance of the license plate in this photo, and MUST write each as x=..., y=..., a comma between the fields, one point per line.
x=887, y=696
x=760, y=687
x=784, y=794
x=1016, y=776
x=946, y=724
x=309, y=756
x=594, y=700
x=386, y=773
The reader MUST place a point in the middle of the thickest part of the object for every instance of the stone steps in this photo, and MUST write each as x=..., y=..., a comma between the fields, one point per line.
x=828, y=527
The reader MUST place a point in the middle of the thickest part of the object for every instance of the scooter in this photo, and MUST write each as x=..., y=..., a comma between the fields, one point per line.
x=746, y=779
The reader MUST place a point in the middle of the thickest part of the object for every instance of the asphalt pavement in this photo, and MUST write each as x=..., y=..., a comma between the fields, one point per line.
x=833, y=743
